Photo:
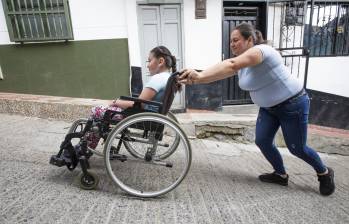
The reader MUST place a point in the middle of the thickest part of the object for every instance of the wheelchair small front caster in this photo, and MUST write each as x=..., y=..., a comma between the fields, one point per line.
x=88, y=181
x=148, y=155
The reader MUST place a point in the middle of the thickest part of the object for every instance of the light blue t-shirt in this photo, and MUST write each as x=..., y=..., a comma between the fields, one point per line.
x=158, y=83
x=269, y=82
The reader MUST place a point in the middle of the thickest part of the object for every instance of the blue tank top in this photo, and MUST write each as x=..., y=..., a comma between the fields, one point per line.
x=269, y=83
x=158, y=83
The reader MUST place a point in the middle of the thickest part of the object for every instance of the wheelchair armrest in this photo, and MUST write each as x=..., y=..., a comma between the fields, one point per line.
x=137, y=100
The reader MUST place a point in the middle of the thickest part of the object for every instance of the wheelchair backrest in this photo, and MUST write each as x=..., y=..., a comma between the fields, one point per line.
x=172, y=87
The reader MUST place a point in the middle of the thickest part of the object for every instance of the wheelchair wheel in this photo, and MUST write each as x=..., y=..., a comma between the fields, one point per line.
x=147, y=176
x=171, y=139
x=88, y=181
x=172, y=116
x=78, y=125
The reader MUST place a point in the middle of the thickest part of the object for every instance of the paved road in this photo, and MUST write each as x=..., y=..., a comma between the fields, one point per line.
x=221, y=186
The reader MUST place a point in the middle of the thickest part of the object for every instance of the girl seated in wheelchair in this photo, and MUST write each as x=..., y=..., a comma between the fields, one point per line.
x=161, y=87
x=160, y=64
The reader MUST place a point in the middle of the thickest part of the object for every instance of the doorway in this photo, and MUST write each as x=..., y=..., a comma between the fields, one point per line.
x=161, y=25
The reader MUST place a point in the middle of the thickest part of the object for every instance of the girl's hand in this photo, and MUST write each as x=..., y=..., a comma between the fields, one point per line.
x=189, y=77
x=114, y=103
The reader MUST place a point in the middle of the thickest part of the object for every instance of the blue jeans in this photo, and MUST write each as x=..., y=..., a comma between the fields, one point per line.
x=292, y=116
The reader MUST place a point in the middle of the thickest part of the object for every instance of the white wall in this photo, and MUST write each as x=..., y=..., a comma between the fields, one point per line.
x=102, y=19
x=325, y=74
x=329, y=74
x=202, y=37
x=132, y=33
x=4, y=37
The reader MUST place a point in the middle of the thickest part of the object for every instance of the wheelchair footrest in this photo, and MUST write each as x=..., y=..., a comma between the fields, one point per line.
x=119, y=157
x=57, y=161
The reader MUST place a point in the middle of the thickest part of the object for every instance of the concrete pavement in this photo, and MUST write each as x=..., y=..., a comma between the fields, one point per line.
x=235, y=123
x=221, y=187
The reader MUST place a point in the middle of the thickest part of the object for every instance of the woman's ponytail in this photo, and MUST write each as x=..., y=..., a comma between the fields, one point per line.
x=259, y=37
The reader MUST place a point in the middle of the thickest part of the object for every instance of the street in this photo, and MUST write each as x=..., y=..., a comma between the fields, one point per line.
x=221, y=187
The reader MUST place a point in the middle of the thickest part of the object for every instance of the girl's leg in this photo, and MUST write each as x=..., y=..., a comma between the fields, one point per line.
x=97, y=113
x=116, y=117
x=93, y=138
x=266, y=128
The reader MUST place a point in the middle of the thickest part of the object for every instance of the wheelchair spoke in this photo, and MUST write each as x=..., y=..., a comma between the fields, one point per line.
x=141, y=168
x=124, y=158
x=168, y=143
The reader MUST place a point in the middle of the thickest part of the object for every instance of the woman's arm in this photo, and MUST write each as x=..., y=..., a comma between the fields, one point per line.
x=224, y=69
x=146, y=94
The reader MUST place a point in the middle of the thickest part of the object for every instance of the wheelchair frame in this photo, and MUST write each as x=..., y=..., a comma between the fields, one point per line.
x=109, y=130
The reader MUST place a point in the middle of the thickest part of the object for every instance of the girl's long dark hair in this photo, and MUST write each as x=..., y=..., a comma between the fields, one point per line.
x=163, y=52
x=170, y=60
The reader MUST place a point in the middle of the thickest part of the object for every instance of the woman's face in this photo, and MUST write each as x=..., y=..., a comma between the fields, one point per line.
x=155, y=65
x=238, y=44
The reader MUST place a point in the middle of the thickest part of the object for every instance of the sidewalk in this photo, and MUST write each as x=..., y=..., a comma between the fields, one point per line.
x=232, y=126
x=235, y=124
x=221, y=186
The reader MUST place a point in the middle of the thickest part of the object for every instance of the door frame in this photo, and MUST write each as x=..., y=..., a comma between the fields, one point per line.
x=240, y=96
x=182, y=106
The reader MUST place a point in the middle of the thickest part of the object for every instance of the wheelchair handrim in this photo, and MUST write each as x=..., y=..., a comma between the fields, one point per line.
x=146, y=117
x=162, y=156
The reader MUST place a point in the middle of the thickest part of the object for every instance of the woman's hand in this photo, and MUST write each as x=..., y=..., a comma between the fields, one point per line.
x=189, y=77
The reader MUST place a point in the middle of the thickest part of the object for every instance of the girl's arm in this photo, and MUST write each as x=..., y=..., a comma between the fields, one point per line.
x=224, y=69
x=146, y=94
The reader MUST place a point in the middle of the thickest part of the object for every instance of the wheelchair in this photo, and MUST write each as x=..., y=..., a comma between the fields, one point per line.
x=146, y=154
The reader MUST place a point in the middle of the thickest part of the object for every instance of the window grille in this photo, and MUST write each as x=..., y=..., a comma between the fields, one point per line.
x=38, y=20
x=240, y=11
x=330, y=29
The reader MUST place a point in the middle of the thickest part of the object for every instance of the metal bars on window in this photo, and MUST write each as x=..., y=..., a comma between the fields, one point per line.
x=330, y=29
x=38, y=20
x=286, y=31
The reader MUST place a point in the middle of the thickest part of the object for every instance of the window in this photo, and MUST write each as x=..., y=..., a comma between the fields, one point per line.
x=38, y=20
x=294, y=13
x=330, y=29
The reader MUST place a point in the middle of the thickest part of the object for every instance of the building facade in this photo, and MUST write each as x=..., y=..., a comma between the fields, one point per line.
x=101, y=47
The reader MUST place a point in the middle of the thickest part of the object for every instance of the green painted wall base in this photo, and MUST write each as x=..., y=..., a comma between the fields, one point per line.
x=88, y=69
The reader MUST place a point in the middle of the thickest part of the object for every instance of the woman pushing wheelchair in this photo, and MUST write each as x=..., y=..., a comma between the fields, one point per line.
x=282, y=101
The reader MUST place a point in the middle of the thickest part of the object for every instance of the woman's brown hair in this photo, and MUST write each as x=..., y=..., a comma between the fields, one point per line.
x=247, y=30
